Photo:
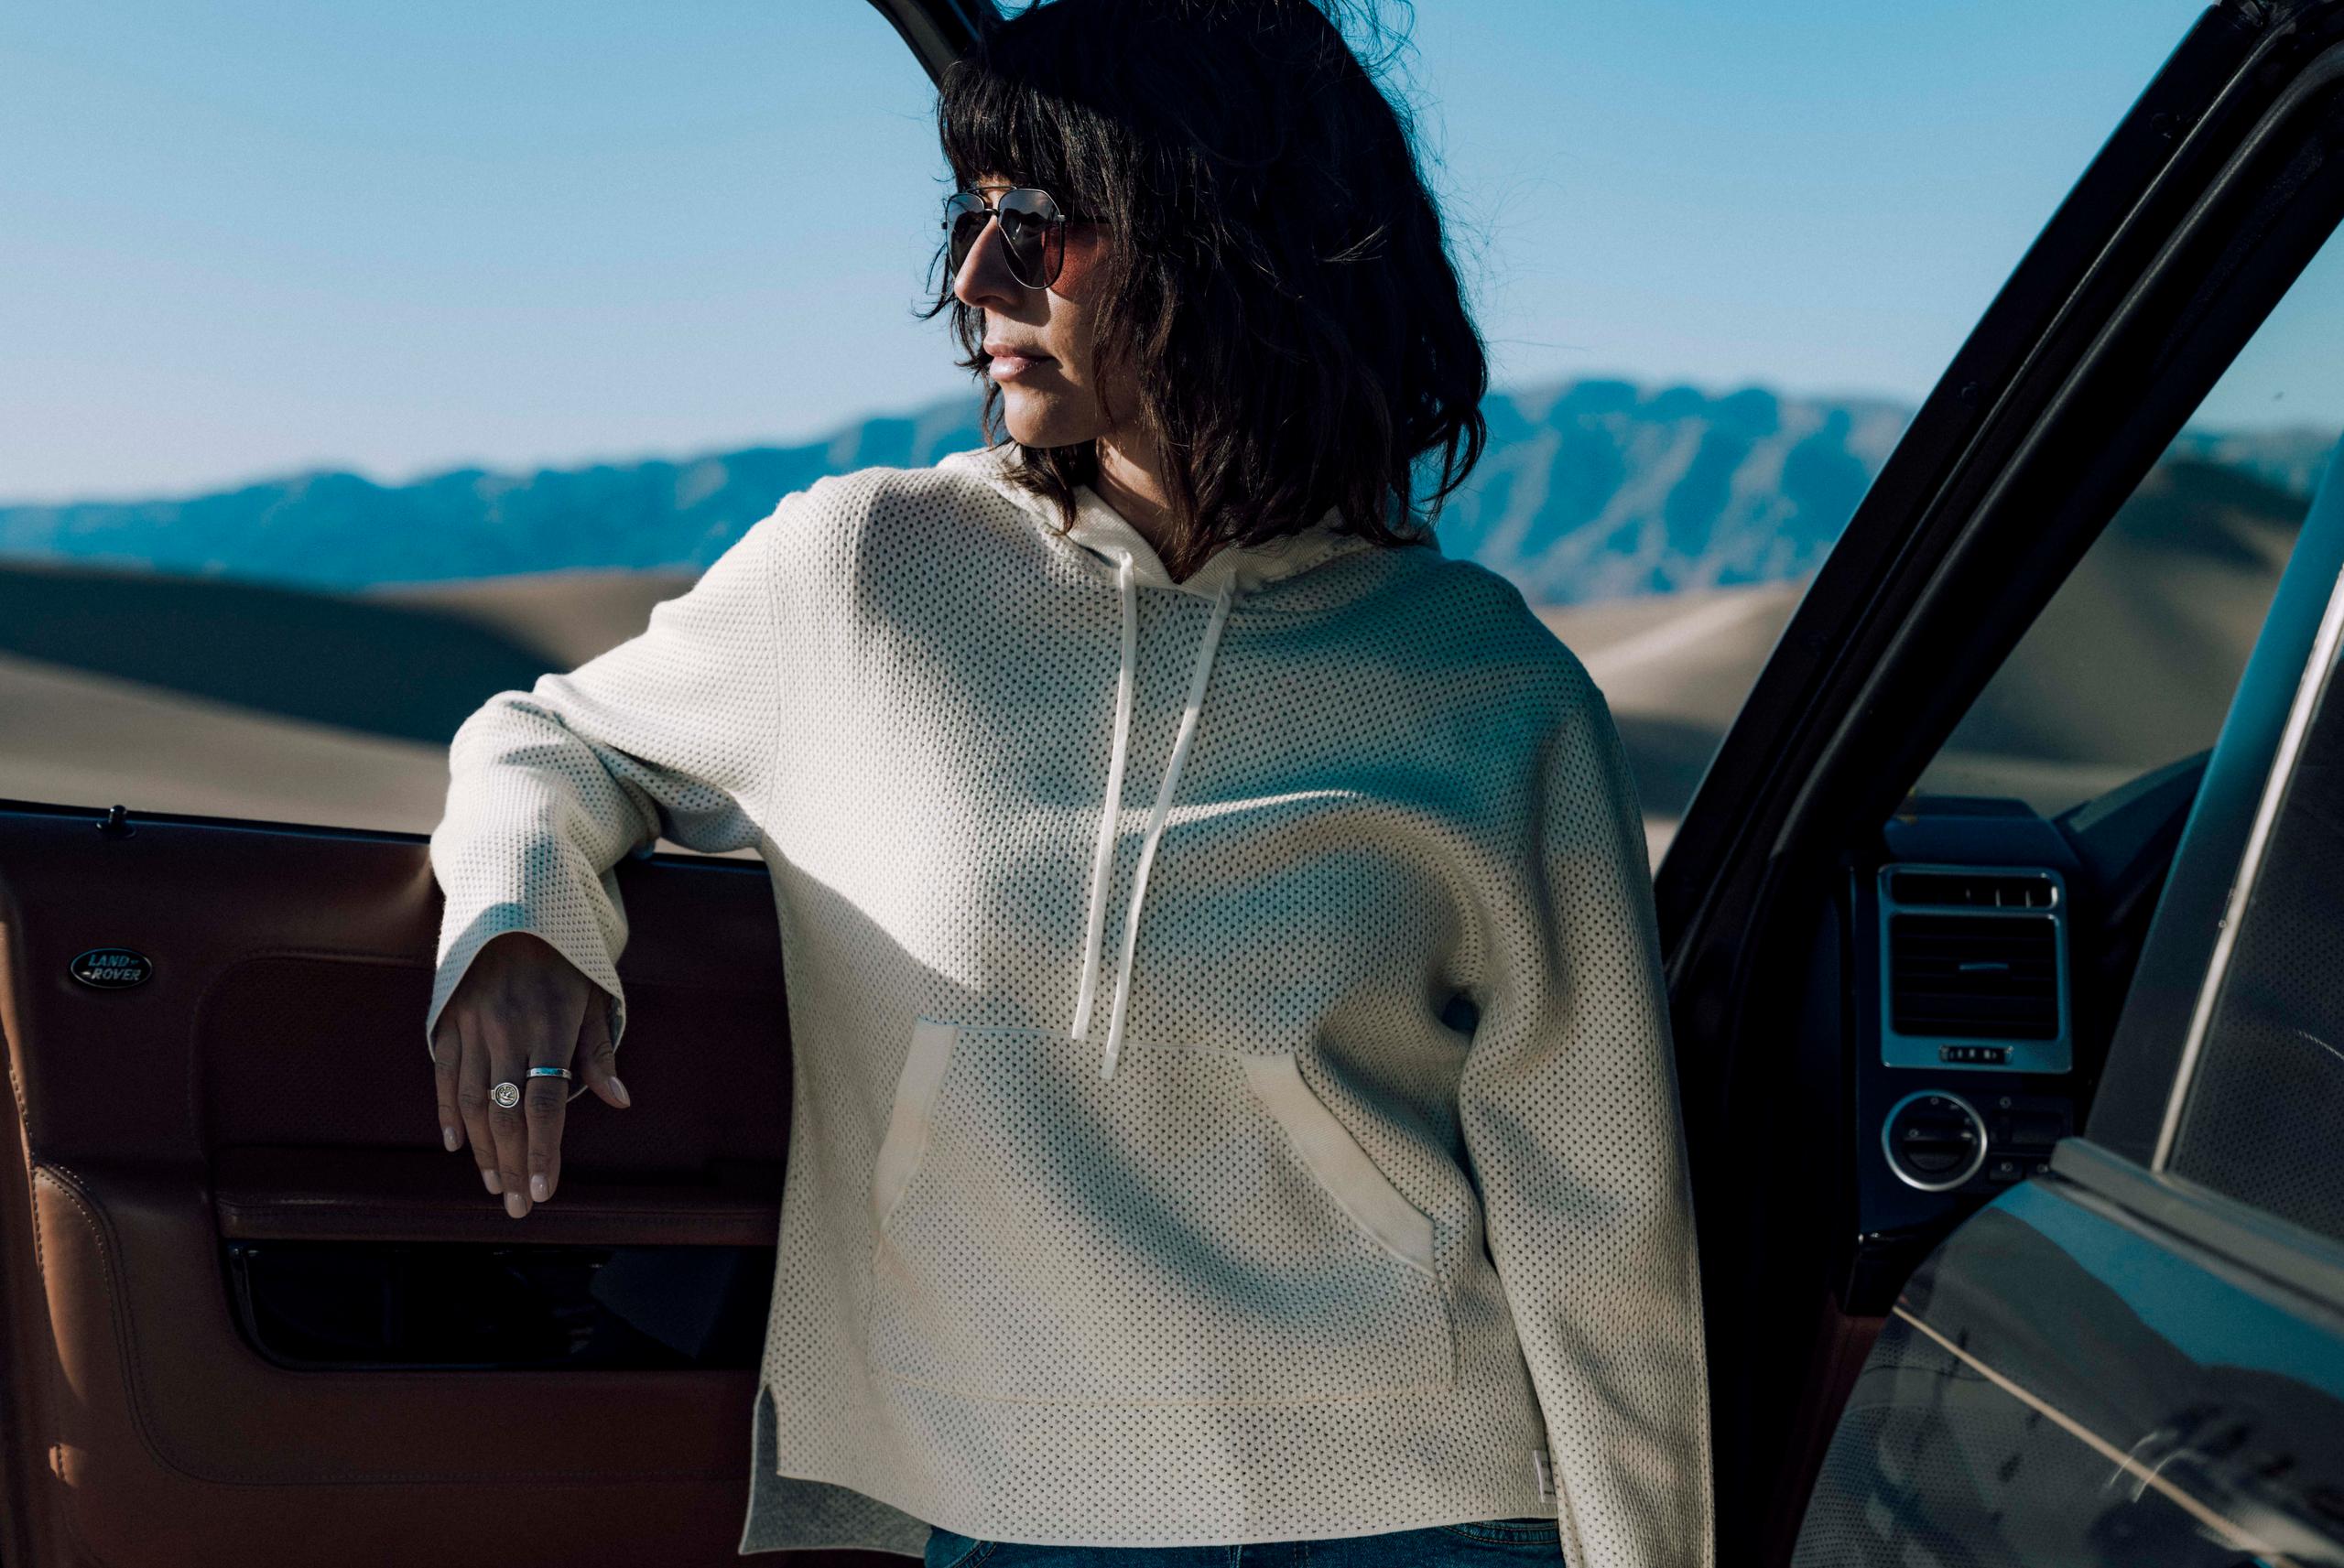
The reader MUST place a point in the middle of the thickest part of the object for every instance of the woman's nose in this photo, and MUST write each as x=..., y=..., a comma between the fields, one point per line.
x=984, y=276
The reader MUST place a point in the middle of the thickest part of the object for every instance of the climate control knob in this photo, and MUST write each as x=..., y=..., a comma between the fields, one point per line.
x=1934, y=1140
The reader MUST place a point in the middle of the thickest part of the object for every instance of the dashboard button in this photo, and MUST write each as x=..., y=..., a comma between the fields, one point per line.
x=1934, y=1140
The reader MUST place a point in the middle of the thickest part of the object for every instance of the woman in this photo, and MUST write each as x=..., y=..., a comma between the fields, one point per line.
x=1234, y=1103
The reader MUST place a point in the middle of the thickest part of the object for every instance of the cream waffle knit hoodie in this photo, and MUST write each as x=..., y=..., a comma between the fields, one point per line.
x=1233, y=1089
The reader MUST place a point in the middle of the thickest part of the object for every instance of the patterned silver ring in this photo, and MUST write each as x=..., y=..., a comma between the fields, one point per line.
x=506, y=1094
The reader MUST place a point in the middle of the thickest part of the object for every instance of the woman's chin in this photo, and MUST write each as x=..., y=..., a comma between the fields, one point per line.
x=1033, y=420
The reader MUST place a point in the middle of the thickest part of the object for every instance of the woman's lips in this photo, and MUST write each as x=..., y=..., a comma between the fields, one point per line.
x=1009, y=365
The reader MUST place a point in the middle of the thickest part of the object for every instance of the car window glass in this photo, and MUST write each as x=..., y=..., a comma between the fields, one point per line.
x=2132, y=663
x=2262, y=1109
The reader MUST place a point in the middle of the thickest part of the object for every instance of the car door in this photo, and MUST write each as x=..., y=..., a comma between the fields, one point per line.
x=256, y=1313
x=1969, y=1299
x=2135, y=1350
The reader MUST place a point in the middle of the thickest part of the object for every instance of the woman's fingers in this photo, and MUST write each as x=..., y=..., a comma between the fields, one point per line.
x=547, y=1098
x=509, y=1058
x=597, y=1057
x=521, y=1005
x=447, y=1051
x=543, y=1099
x=472, y=1101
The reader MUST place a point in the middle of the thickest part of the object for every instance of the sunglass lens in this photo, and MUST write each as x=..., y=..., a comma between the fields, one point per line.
x=1029, y=222
x=965, y=220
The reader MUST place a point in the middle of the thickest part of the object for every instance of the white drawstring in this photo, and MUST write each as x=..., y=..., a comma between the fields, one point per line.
x=1128, y=673
x=1156, y=818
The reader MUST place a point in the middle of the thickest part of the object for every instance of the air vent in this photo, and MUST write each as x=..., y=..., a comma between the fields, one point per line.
x=1973, y=890
x=1967, y=977
x=1973, y=969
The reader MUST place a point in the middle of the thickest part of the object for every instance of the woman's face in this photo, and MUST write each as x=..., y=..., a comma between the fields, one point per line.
x=1039, y=338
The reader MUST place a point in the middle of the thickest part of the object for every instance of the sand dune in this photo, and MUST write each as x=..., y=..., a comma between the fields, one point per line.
x=2129, y=667
x=77, y=739
x=227, y=699
x=1674, y=668
x=567, y=616
x=160, y=731
x=222, y=698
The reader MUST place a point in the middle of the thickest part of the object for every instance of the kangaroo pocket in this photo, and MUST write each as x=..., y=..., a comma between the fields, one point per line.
x=1198, y=1228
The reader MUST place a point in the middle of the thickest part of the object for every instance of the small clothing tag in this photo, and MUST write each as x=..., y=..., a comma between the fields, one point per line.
x=1546, y=1472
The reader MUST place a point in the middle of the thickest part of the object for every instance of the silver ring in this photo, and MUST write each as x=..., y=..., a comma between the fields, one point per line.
x=508, y=1093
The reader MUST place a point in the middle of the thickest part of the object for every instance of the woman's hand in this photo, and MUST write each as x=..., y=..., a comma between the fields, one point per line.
x=520, y=1005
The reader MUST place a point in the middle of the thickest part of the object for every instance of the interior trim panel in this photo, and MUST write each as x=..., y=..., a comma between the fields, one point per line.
x=268, y=1082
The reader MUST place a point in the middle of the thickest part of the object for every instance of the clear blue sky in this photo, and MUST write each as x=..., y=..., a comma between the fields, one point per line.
x=242, y=239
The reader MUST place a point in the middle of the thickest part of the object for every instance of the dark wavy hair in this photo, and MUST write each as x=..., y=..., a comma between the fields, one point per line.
x=1279, y=284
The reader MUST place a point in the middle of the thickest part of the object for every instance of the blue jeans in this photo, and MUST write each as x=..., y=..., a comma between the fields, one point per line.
x=1480, y=1544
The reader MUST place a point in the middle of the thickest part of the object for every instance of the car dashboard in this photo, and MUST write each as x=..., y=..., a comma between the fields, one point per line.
x=1990, y=949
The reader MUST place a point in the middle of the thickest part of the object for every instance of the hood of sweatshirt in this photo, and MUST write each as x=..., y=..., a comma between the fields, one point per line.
x=1120, y=556
x=1108, y=539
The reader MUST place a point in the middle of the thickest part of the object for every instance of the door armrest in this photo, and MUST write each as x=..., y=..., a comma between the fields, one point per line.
x=400, y=1195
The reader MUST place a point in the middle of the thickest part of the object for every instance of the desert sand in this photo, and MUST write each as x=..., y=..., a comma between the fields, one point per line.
x=200, y=695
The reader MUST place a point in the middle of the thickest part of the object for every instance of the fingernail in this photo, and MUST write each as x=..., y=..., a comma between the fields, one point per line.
x=493, y=1184
x=512, y=1205
x=448, y=1136
x=537, y=1187
x=619, y=1090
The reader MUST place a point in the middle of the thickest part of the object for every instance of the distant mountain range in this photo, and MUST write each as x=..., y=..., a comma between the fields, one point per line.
x=1592, y=490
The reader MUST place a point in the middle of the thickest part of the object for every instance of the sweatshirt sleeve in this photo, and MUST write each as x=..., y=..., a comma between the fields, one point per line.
x=670, y=734
x=1569, y=1107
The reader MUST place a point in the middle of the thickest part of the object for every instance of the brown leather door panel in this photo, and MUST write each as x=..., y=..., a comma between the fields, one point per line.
x=269, y=1080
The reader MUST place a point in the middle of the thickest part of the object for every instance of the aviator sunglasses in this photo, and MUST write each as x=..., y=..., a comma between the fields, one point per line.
x=1033, y=231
